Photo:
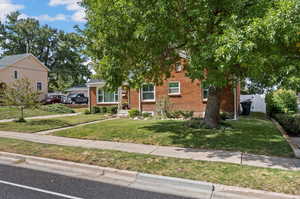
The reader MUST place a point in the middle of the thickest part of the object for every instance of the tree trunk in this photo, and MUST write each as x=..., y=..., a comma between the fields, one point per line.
x=22, y=114
x=212, y=112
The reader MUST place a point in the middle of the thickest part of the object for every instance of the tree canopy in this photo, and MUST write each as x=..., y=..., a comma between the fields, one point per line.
x=61, y=52
x=225, y=40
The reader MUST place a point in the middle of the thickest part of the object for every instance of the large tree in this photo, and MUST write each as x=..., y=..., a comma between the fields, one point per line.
x=61, y=52
x=226, y=41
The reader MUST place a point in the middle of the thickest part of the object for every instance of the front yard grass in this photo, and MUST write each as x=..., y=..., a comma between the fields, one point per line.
x=37, y=125
x=222, y=173
x=13, y=112
x=253, y=134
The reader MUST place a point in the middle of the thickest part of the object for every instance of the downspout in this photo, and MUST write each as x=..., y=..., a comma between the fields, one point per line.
x=89, y=96
x=235, y=103
x=140, y=99
x=120, y=94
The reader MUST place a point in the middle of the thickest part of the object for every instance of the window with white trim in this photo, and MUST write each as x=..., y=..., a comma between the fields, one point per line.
x=107, y=97
x=39, y=86
x=174, y=88
x=148, y=92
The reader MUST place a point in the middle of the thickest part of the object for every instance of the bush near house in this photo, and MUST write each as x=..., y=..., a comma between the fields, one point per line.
x=111, y=110
x=57, y=108
x=134, y=113
x=290, y=122
x=281, y=101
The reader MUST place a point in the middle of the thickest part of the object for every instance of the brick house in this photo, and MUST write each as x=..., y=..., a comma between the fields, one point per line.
x=182, y=92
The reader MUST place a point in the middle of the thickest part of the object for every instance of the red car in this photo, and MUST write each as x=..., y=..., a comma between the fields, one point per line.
x=53, y=99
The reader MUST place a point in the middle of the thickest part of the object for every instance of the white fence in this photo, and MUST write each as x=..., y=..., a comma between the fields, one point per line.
x=258, y=102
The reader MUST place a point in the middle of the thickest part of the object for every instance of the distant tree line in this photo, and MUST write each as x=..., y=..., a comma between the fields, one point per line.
x=61, y=52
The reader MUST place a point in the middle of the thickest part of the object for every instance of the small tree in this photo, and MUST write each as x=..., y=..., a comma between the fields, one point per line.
x=22, y=95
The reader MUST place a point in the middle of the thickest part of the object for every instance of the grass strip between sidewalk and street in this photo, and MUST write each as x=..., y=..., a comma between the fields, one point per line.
x=274, y=180
x=37, y=125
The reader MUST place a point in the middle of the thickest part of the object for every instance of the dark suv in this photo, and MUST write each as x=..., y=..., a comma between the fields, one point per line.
x=77, y=98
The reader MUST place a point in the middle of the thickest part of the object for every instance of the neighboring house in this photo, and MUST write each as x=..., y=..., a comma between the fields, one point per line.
x=77, y=90
x=25, y=66
x=183, y=94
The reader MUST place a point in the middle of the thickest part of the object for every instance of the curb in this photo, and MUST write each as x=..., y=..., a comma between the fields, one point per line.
x=296, y=150
x=136, y=180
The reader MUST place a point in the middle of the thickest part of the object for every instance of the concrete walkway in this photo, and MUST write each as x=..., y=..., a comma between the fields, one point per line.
x=42, y=117
x=177, y=152
x=74, y=126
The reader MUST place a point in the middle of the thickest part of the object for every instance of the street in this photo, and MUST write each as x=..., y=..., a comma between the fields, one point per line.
x=21, y=183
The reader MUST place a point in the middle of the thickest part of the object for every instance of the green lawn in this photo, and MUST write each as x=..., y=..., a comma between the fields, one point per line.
x=249, y=134
x=12, y=112
x=222, y=173
x=32, y=126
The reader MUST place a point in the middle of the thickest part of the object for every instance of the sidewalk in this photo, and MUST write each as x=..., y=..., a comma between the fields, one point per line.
x=42, y=117
x=176, y=152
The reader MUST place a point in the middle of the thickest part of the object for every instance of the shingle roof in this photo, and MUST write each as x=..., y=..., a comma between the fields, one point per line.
x=9, y=60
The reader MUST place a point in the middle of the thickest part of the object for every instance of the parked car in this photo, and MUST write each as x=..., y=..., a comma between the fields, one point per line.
x=77, y=98
x=53, y=99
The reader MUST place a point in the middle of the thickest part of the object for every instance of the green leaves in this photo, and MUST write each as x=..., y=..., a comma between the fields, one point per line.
x=61, y=52
x=139, y=40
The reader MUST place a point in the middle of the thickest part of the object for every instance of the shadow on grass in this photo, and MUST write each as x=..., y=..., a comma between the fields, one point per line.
x=244, y=136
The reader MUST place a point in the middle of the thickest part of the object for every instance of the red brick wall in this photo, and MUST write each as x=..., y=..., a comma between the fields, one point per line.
x=189, y=99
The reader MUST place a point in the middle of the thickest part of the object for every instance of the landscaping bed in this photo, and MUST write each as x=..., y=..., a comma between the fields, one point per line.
x=37, y=125
x=222, y=173
x=254, y=134
x=290, y=122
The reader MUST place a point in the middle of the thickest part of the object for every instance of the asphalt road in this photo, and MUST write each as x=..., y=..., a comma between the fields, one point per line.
x=20, y=183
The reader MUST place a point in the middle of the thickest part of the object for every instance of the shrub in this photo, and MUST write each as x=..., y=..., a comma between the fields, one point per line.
x=290, y=122
x=134, y=113
x=112, y=109
x=57, y=108
x=180, y=114
x=187, y=114
x=281, y=101
x=163, y=106
x=95, y=110
x=87, y=112
x=103, y=109
x=226, y=115
x=146, y=114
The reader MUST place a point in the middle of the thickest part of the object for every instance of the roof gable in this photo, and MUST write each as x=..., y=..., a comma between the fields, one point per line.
x=12, y=59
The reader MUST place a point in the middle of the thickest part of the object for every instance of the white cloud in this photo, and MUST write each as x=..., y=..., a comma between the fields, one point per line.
x=71, y=5
x=58, y=17
x=6, y=7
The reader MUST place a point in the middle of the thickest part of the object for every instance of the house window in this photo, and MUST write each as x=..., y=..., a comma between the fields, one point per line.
x=205, y=93
x=107, y=97
x=178, y=67
x=174, y=88
x=16, y=75
x=148, y=92
x=39, y=86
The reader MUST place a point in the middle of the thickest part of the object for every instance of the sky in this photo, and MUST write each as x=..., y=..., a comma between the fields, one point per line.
x=60, y=14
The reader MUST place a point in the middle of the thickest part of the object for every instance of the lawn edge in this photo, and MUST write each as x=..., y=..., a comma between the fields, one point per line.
x=287, y=138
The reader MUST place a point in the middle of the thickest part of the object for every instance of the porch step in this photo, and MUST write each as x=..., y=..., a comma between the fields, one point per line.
x=122, y=113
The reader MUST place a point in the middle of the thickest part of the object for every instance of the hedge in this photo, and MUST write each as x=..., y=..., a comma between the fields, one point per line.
x=281, y=101
x=290, y=122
